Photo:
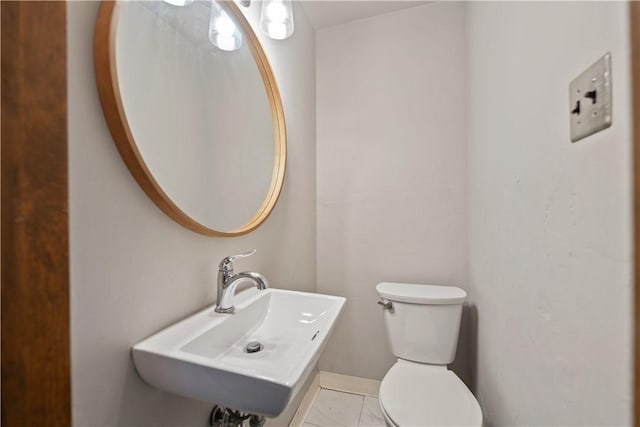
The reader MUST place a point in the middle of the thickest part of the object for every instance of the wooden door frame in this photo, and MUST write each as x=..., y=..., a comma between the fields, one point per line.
x=36, y=380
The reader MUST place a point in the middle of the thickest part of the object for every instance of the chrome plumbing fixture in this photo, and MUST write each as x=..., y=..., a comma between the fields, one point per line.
x=228, y=281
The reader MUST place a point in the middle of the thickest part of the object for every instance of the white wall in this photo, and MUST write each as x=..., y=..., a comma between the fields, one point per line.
x=391, y=167
x=549, y=221
x=134, y=270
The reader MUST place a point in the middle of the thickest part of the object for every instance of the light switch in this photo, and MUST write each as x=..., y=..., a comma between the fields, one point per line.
x=590, y=99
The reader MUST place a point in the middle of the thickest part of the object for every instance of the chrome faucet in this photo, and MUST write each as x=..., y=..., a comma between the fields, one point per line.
x=228, y=281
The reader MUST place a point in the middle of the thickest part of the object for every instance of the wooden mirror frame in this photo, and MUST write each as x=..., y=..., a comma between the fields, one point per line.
x=111, y=100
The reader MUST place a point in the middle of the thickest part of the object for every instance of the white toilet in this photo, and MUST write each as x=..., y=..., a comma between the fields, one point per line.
x=423, y=322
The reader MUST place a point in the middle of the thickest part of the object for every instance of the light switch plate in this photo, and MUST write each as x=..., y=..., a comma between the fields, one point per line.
x=590, y=99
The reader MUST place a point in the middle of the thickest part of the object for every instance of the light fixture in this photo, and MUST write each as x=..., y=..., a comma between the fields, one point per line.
x=179, y=2
x=276, y=19
x=223, y=32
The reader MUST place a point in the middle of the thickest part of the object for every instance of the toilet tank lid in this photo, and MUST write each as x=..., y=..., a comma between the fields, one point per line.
x=420, y=294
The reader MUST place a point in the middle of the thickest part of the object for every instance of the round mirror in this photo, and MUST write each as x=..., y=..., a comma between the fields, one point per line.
x=194, y=110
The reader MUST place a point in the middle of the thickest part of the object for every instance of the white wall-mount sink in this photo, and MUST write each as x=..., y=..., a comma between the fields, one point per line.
x=203, y=356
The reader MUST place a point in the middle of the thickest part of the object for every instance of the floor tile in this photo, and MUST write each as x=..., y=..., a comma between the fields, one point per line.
x=371, y=415
x=333, y=409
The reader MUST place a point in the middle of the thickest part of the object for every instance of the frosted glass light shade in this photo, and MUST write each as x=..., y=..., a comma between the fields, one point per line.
x=276, y=19
x=223, y=31
x=179, y=2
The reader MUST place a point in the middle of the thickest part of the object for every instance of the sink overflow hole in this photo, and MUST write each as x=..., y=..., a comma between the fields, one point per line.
x=253, y=347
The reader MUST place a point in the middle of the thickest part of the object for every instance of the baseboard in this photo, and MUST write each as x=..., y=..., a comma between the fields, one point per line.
x=306, y=403
x=349, y=384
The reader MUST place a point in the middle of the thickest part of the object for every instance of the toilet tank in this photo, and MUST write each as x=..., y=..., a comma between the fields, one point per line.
x=424, y=323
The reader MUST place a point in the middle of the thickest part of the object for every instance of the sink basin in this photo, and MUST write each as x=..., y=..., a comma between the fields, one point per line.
x=205, y=356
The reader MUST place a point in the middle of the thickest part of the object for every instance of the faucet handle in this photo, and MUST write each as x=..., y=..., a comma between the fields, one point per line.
x=228, y=261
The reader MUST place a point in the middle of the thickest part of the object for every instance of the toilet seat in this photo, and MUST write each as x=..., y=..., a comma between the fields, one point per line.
x=413, y=394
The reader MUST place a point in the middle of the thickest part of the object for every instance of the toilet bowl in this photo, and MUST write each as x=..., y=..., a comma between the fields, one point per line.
x=423, y=323
x=414, y=394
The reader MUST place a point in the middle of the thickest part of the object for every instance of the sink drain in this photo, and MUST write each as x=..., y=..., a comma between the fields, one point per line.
x=253, y=347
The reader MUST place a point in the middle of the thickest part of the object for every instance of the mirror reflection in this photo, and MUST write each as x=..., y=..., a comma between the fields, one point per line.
x=197, y=108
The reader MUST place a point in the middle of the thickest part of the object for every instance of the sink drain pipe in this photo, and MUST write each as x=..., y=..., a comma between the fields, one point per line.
x=225, y=417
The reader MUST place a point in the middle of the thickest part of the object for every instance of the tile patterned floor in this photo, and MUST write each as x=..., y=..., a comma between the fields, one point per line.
x=337, y=409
